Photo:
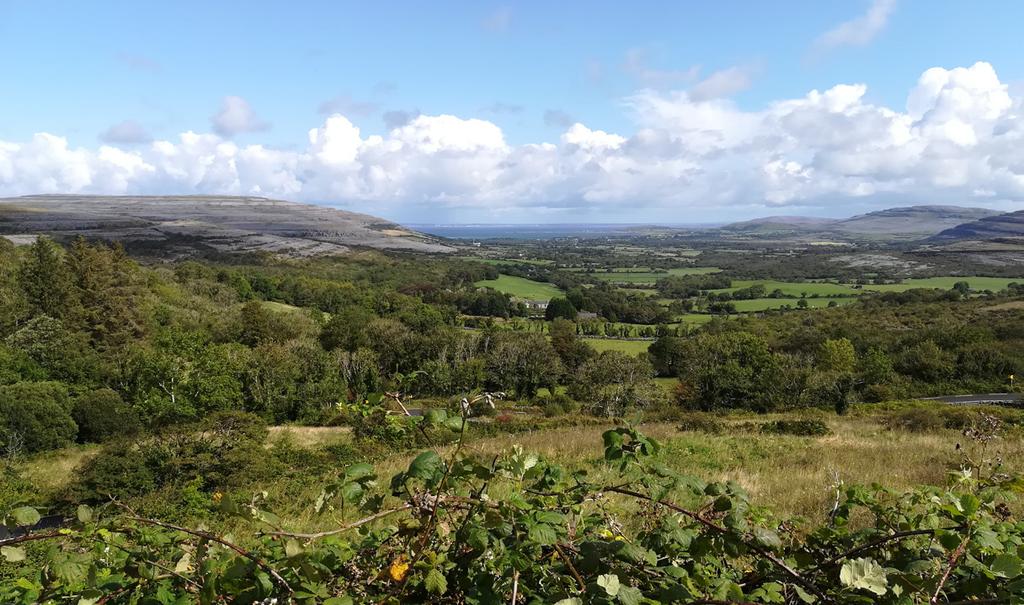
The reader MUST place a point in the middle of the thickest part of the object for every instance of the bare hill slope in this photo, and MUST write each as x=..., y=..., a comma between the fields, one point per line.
x=217, y=223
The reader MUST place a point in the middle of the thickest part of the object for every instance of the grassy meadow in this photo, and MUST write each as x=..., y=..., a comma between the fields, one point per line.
x=763, y=304
x=637, y=276
x=521, y=287
x=795, y=476
x=630, y=347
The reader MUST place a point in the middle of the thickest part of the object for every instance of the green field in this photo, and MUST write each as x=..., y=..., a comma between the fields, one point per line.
x=510, y=261
x=761, y=304
x=521, y=288
x=795, y=288
x=630, y=347
x=630, y=276
x=695, y=319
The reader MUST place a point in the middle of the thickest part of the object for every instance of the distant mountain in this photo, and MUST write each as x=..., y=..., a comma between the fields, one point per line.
x=779, y=224
x=913, y=222
x=184, y=224
x=920, y=221
x=1001, y=226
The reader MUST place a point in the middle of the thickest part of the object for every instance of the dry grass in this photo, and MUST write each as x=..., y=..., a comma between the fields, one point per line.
x=309, y=436
x=52, y=470
x=789, y=475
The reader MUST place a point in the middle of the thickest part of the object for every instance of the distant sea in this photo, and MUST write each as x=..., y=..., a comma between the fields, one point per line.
x=541, y=231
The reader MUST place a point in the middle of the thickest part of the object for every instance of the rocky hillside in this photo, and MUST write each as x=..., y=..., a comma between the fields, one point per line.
x=1009, y=225
x=913, y=220
x=185, y=224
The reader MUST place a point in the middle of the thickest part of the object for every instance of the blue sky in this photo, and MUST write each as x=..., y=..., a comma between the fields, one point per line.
x=669, y=98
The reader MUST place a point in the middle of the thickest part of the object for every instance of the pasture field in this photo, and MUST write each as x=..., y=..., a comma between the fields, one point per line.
x=762, y=304
x=521, y=288
x=629, y=276
x=694, y=319
x=796, y=288
x=630, y=347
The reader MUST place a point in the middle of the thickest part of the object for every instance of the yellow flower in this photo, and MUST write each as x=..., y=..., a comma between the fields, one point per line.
x=399, y=567
x=216, y=497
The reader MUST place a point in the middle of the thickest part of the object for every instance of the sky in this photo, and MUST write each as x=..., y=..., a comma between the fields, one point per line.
x=520, y=112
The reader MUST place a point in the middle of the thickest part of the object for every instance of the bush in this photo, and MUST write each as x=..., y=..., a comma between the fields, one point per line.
x=701, y=422
x=557, y=404
x=915, y=420
x=798, y=428
x=102, y=415
x=120, y=470
x=225, y=452
x=38, y=414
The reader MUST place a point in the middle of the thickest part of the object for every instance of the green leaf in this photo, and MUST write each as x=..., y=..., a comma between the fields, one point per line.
x=352, y=492
x=435, y=582
x=292, y=548
x=426, y=466
x=25, y=515
x=183, y=563
x=610, y=583
x=84, y=513
x=864, y=574
x=629, y=595
x=805, y=596
x=542, y=533
x=70, y=568
x=570, y=601
x=768, y=538
x=338, y=601
x=1007, y=566
x=969, y=503
x=359, y=471
x=12, y=554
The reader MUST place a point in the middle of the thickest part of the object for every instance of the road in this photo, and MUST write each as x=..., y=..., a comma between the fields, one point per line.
x=1003, y=398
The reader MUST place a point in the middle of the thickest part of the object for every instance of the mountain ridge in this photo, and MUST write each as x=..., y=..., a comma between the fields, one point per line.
x=232, y=224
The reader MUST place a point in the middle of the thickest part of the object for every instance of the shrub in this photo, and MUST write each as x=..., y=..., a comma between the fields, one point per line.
x=120, y=470
x=701, y=422
x=102, y=415
x=557, y=404
x=799, y=428
x=915, y=420
x=38, y=414
x=227, y=451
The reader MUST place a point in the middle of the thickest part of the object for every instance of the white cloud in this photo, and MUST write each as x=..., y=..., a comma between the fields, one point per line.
x=858, y=31
x=959, y=139
x=235, y=117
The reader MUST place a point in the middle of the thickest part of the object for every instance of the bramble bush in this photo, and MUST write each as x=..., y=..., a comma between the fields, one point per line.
x=514, y=528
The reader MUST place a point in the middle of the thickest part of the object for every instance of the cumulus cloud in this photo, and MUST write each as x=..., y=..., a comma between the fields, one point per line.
x=235, y=117
x=958, y=139
x=858, y=31
x=128, y=132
